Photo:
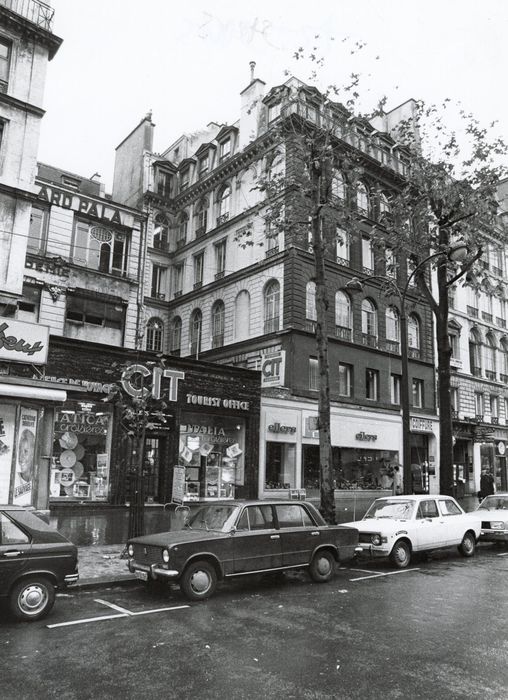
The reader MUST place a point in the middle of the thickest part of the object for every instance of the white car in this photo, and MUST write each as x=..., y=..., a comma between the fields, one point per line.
x=398, y=526
x=493, y=511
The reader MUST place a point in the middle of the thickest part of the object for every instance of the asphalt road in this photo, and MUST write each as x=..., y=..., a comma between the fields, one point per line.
x=435, y=631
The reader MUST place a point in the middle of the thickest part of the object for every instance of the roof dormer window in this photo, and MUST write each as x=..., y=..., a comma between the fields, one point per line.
x=225, y=150
x=184, y=179
x=204, y=165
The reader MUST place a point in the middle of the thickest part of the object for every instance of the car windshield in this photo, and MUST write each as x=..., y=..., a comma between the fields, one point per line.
x=494, y=503
x=212, y=517
x=390, y=508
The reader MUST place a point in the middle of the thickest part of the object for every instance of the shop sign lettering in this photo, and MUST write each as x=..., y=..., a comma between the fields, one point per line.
x=423, y=425
x=217, y=402
x=278, y=428
x=84, y=205
x=94, y=387
x=273, y=368
x=215, y=434
x=89, y=423
x=365, y=437
x=133, y=377
x=24, y=342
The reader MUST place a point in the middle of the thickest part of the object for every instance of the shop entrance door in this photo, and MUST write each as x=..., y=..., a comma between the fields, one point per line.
x=153, y=468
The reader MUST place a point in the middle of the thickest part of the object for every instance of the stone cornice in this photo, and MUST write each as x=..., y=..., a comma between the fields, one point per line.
x=28, y=29
x=21, y=104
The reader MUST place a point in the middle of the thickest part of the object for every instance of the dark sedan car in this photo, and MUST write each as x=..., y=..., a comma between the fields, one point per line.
x=227, y=539
x=35, y=559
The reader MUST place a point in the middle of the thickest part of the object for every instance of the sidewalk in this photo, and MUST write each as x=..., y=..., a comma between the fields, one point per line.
x=101, y=565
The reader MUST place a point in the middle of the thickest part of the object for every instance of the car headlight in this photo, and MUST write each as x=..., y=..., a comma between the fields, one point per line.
x=497, y=525
x=165, y=556
x=375, y=539
x=130, y=550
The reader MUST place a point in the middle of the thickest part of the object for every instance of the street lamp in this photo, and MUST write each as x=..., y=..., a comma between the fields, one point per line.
x=458, y=252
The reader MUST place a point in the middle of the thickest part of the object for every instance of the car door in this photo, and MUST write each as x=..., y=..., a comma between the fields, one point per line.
x=14, y=551
x=455, y=524
x=299, y=535
x=429, y=526
x=256, y=542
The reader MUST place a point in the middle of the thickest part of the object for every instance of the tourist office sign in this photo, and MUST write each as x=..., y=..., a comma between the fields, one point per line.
x=23, y=342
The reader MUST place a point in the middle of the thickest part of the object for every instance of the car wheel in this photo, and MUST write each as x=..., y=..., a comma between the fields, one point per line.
x=400, y=556
x=32, y=598
x=468, y=545
x=322, y=566
x=198, y=581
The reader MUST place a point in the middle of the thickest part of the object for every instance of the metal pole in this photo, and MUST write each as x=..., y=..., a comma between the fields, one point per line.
x=407, y=478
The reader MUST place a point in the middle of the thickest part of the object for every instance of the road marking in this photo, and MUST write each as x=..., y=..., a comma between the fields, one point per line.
x=112, y=605
x=504, y=554
x=388, y=573
x=123, y=612
x=149, y=612
x=367, y=571
x=84, y=621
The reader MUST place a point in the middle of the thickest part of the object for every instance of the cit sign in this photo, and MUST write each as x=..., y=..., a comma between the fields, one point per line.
x=133, y=377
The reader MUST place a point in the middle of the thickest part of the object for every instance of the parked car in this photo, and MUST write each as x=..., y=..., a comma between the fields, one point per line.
x=398, y=526
x=35, y=560
x=493, y=511
x=224, y=540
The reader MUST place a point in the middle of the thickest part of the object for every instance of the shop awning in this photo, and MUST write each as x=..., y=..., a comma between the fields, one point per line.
x=21, y=391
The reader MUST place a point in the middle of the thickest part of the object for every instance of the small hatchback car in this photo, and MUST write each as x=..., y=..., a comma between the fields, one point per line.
x=398, y=526
x=35, y=559
x=493, y=511
x=228, y=539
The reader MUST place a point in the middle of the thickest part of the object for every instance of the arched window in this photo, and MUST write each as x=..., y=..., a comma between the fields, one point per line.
x=154, y=335
x=362, y=198
x=242, y=315
x=195, y=326
x=413, y=332
x=310, y=302
x=369, y=322
x=392, y=318
x=343, y=315
x=475, y=354
x=271, y=306
x=224, y=204
x=161, y=232
x=490, y=357
x=218, y=316
x=338, y=185
x=504, y=360
x=384, y=205
x=175, y=340
x=201, y=217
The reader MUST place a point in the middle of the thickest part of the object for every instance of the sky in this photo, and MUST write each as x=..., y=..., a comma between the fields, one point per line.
x=187, y=62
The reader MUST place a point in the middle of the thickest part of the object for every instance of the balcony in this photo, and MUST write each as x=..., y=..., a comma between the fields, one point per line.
x=487, y=317
x=414, y=353
x=310, y=326
x=222, y=218
x=367, y=270
x=34, y=11
x=271, y=325
x=476, y=371
x=219, y=275
x=272, y=251
x=218, y=340
x=455, y=414
x=479, y=418
x=472, y=311
x=496, y=270
x=392, y=346
x=494, y=420
x=369, y=340
x=343, y=261
x=158, y=295
x=200, y=231
x=198, y=285
x=503, y=378
x=501, y=322
x=490, y=374
x=455, y=363
x=343, y=333
x=160, y=245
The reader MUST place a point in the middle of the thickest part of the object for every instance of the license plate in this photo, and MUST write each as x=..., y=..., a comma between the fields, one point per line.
x=141, y=575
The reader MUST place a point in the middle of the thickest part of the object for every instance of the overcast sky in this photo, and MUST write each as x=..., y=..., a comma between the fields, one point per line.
x=188, y=62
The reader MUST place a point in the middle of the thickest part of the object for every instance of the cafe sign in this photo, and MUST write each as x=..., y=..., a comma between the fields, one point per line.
x=23, y=342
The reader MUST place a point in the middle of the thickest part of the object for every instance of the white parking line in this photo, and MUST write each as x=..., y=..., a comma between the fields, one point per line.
x=112, y=605
x=504, y=554
x=367, y=571
x=123, y=612
x=84, y=621
x=388, y=573
x=149, y=612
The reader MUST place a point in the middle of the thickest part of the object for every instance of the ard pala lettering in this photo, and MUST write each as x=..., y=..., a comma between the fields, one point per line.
x=10, y=342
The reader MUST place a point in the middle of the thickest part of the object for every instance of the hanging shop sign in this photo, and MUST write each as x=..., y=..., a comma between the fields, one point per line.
x=135, y=381
x=273, y=368
x=23, y=342
x=421, y=425
x=85, y=206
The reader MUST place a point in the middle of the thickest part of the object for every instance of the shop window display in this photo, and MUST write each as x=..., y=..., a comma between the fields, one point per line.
x=18, y=434
x=212, y=451
x=280, y=467
x=81, y=451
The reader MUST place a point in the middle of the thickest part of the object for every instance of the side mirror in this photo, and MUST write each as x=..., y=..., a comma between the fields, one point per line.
x=233, y=530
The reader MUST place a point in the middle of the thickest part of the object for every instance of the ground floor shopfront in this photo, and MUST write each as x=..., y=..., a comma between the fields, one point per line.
x=366, y=449
x=479, y=446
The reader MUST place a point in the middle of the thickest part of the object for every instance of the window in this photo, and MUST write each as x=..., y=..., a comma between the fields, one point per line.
x=293, y=515
x=343, y=314
x=256, y=518
x=494, y=407
x=490, y=358
x=362, y=198
x=175, y=338
x=220, y=259
x=177, y=280
x=204, y=165
x=274, y=111
x=184, y=179
x=367, y=255
x=427, y=509
x=449, y=507
x=313, y=374
x=395, y=381
x=369, y=321
x=271, y=306
x=195, y=332
x=392, y=324
x=479, y=404
x=5, y=59
x=391, y=265
x=384, y=205
x=158, y=282
x=199, y=259
x=345, y=380
x=27, y=308
x=455, y=399
x=181, y=228
x=100, y=248
x=154, y=335
x=37, y=233
x=10, y=533
x=417, y=392
x=338, y=185
x=94, y=318
x=272, y=238
x=218, y=316
x=413, y=332
x=343, y=247
x=310, y=302
x=371, y=384
x=224, y=150
x=201, y=217
x=163, y=183
x=474, y=354
x=242, y=315
x=161, y=232
x=224, y=205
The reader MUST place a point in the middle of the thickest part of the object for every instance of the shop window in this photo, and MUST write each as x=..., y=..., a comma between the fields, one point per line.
x=417, y=393
x=345, y=380
x=212, y=450
x=94, y=319
x=80, y=461
x=37, y=233
x=280, y=469
x=18, y=434
x=176, y=336
x=100, y=248
x=5, y=61
x=372, y=384
x=154, y=335
x=313, y=374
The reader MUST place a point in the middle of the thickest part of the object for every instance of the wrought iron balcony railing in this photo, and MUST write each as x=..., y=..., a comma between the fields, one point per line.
x=33, y=10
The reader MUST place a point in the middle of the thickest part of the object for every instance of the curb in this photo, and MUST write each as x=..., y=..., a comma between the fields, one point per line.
x=102, y=582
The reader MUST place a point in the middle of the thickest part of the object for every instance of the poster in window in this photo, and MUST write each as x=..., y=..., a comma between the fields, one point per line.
x=25, y=456
x=7, y=423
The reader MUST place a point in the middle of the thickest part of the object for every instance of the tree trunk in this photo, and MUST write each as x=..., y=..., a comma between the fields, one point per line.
x=137, y=501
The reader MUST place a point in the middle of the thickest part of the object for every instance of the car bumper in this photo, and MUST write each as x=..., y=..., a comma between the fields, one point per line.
x=70, y=579
x=153, y=571
x=493, y=536
x=369, y=550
